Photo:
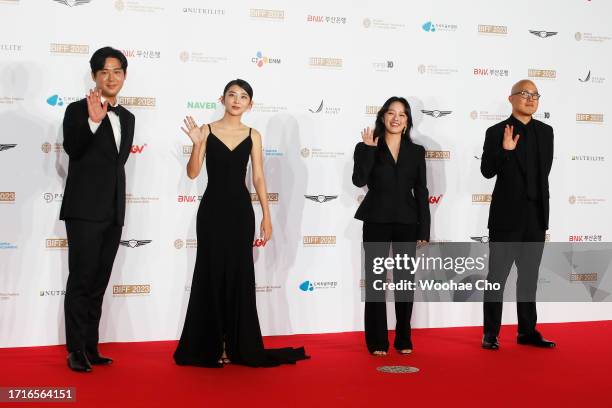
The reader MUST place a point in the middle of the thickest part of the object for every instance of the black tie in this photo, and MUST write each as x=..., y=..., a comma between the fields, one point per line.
x=111, y=108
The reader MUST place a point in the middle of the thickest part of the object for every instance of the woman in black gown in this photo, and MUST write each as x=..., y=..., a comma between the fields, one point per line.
x=221, y=322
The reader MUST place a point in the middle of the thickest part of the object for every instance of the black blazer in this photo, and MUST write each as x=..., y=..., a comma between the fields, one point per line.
x=509, y=193
x=397, y=193
x=95, y=186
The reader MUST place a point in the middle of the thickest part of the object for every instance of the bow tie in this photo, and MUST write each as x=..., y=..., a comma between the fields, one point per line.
x=111, y=108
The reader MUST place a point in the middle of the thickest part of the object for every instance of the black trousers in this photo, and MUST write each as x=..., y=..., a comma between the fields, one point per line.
x=92, y=247
x=523, y=246
x=402, y=237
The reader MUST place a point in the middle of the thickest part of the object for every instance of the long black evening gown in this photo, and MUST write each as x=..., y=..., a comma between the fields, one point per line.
x=222, y=306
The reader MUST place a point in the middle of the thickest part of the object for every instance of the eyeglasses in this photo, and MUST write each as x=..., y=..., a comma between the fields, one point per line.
x=527, y=95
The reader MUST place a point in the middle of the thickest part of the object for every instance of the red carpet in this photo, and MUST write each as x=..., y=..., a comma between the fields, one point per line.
x=454, y=371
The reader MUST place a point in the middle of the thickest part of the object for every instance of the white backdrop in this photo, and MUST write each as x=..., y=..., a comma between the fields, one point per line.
x=320, y=70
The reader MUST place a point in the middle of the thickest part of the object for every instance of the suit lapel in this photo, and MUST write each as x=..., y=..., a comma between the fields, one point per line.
x=124, y=132
x=384, y=149
x=389, y=155
x=404, y=150
x=542, y=146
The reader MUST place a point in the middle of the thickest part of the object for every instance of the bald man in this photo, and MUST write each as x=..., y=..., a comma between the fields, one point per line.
x=519, y=153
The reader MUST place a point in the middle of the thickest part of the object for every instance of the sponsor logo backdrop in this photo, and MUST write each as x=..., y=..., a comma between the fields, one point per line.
x=320, y=71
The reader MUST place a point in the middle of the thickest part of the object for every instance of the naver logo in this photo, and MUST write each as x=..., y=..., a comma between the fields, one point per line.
x=201, y=105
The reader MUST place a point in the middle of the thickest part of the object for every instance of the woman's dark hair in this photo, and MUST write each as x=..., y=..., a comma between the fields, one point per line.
x=99, y=58
x=379, y=128
x=242, y=84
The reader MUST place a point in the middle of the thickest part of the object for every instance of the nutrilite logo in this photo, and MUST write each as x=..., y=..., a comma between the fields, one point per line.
x=204, y=11
x=585, y=157
x=46, y=292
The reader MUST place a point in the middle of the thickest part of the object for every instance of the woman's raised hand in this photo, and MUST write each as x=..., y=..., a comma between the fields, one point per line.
x=192, y=130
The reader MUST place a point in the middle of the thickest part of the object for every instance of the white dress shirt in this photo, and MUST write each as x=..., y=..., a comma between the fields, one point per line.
x=115, y=124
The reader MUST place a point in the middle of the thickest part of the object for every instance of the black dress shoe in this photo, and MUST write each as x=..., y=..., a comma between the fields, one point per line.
x=490, y=342
x=77, y=361
x=97, y=359
x=534, y=339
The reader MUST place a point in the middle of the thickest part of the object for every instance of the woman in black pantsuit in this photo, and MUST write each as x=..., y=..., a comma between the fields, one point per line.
x=395, y=211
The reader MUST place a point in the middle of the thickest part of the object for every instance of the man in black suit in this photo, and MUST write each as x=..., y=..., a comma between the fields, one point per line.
x=519, y=151
x=98, y=135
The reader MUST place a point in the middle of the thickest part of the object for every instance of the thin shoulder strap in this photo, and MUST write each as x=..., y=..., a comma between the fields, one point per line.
x=250, y=131
x=209, y=128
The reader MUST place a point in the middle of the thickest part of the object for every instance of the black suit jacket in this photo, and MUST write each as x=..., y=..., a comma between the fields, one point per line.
x=509, y=194
x=95, y=186
x=397, y=193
